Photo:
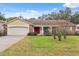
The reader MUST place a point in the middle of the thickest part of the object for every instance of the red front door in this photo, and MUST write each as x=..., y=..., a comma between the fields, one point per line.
x=37, y=29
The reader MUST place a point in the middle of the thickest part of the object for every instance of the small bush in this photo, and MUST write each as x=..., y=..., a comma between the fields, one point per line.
x=77, y=32
x=47, y=34
x=32, y=34
x=1, y=32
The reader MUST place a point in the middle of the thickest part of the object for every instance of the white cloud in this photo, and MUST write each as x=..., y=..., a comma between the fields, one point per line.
x=29, y=13
x=54, y=9
x=25, y=14
x=71, y=5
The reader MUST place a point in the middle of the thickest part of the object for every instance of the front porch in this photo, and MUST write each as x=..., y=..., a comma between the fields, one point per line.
x=41, y=30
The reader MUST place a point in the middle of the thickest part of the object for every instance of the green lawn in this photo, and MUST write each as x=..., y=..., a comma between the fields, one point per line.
x=44, y=45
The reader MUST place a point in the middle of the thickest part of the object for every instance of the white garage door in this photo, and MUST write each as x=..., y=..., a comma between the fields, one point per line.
x=17, y=31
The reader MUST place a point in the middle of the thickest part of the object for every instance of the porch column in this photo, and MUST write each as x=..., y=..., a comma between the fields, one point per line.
x=42, y=31
x=51, y=29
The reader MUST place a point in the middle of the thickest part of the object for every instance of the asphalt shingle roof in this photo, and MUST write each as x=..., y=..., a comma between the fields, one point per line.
x=52, y=22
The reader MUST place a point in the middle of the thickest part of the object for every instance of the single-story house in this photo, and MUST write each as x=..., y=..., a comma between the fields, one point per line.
x=23, y=26
x=77, y=27
x=3, y=27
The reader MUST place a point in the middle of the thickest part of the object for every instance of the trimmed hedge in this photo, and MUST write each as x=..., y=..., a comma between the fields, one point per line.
x=47, y=34
x=77, y=33
x=32, y=34
x=3, y=32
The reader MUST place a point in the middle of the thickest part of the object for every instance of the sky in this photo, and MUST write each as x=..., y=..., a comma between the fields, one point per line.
x=33, y=10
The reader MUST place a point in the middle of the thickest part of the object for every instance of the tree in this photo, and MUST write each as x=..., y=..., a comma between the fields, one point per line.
x=21, y=17
x=2, y=17
x=11, y=18
x=64, y=32
x=55, y=15
x=32, y=18
x=43, y=17
x=60, y=31
x=59, y=36
x=65, y=14
x=75, y=18
x=54, y=32
x=61, y=14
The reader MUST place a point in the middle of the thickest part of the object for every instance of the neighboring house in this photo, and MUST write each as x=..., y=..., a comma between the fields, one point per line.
x=77, y=27
x=3, y=27
x=23, y=27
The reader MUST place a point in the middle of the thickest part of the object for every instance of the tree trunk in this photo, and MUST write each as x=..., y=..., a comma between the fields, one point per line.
x=59, y=37
x=54, y=36
x=65, y=37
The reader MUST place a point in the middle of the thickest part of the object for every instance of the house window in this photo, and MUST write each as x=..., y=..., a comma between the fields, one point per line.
x=54, y=29
x=46, y=30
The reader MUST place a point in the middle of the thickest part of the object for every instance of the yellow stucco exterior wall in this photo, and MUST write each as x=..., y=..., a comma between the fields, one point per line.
x=17, y=22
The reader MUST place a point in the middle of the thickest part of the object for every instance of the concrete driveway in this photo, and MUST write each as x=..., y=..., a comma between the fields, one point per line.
x=7, y=41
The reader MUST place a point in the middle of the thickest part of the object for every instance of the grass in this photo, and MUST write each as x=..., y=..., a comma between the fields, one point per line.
x=44, y=46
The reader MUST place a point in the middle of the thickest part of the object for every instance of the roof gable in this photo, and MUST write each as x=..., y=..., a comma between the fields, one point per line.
x=18, y=22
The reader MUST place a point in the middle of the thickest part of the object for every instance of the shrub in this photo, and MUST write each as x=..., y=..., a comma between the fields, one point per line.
x=77, y=32
x=32, y=34
x=47, y=33
x=1, y=32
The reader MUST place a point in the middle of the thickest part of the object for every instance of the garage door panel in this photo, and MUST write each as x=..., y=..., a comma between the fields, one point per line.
x=17, y=31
